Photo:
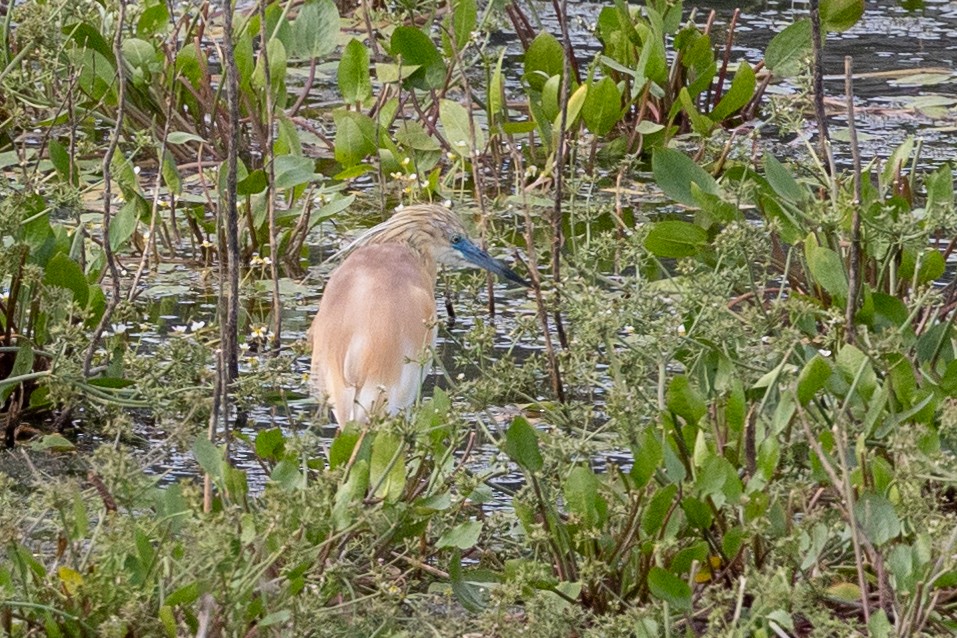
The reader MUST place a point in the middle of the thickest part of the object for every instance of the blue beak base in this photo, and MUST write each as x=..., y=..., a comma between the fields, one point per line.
x=475, y=255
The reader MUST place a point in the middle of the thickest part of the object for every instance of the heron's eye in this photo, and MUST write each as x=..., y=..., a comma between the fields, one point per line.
x=456, y=240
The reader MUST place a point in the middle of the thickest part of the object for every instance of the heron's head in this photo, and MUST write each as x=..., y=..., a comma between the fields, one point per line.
x=436, y=233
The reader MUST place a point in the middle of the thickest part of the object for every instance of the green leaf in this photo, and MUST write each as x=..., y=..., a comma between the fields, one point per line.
x=854, y=364
x=674, y=239
x=182, y=137
x=171, y=176
x=293, y=170
x=353, y=73
x=414, y=47
x=455, y=121
x=252, y=184
x=185, y=595
x=940, y=190
x=931, y=266
x=62, y=162
x=355, y=137
x=782, y=181
x=315, y=29
x=787, y=51
x=602, y=106
x=827, y=269
x=64, y=272
x=287, y=475
x=738, y=96
x=879, y=625
x=413, y=135
x=462, y=536
x=22, y=364
x=675, y=172
x=667, y=587
x=877, y=518
x=153, y=20
x=471, y=595
x=840, y=15
x=647, y=457
x=653, y=518
x=543, y=59
x=521, y=444
x=270, y=444
x=140, y=54
x=123, y=224
x=387, y=466
x=684, y=400
x=208, y=456
x=53, y=443
x=464, y=18
x=342, y=446
x=814, y=376
x=89, y=37
x=349, y=493
x=701, y=124
x=582, y=497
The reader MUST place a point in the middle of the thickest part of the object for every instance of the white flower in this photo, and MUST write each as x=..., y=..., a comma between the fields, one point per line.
x=180, y=330
x=136, y=170
x=399, y=207
x=447, y=203
x=118, y=328
x=406, y=161
x=196, y=325
x=207, y=244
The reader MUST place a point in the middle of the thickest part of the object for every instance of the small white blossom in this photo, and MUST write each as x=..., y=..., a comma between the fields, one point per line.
x=196, y=325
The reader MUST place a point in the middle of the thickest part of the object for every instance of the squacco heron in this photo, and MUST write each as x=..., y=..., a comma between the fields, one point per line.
x=376, y=325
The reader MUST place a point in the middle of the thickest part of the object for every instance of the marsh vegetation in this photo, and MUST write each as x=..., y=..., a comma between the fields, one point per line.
x=726, y=405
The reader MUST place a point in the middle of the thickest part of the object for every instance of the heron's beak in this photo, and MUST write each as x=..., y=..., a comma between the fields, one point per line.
x=475, y=255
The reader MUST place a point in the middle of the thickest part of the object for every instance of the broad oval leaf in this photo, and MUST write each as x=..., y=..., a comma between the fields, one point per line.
x=462, y=536
x=877, y=517
x=667, y=587
x=813, y=377
x=414, y=47
x=582, y=496
x=315, y=29
x=840, y=15
x=543, y=59
x=602, y=106
x=786, y=52
x=674, y=239
x=64, y=272
x=459, y=128
x=521, y=445
x=737, y=97
x=355, y=137
x=675, y=172
x=353, y=73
